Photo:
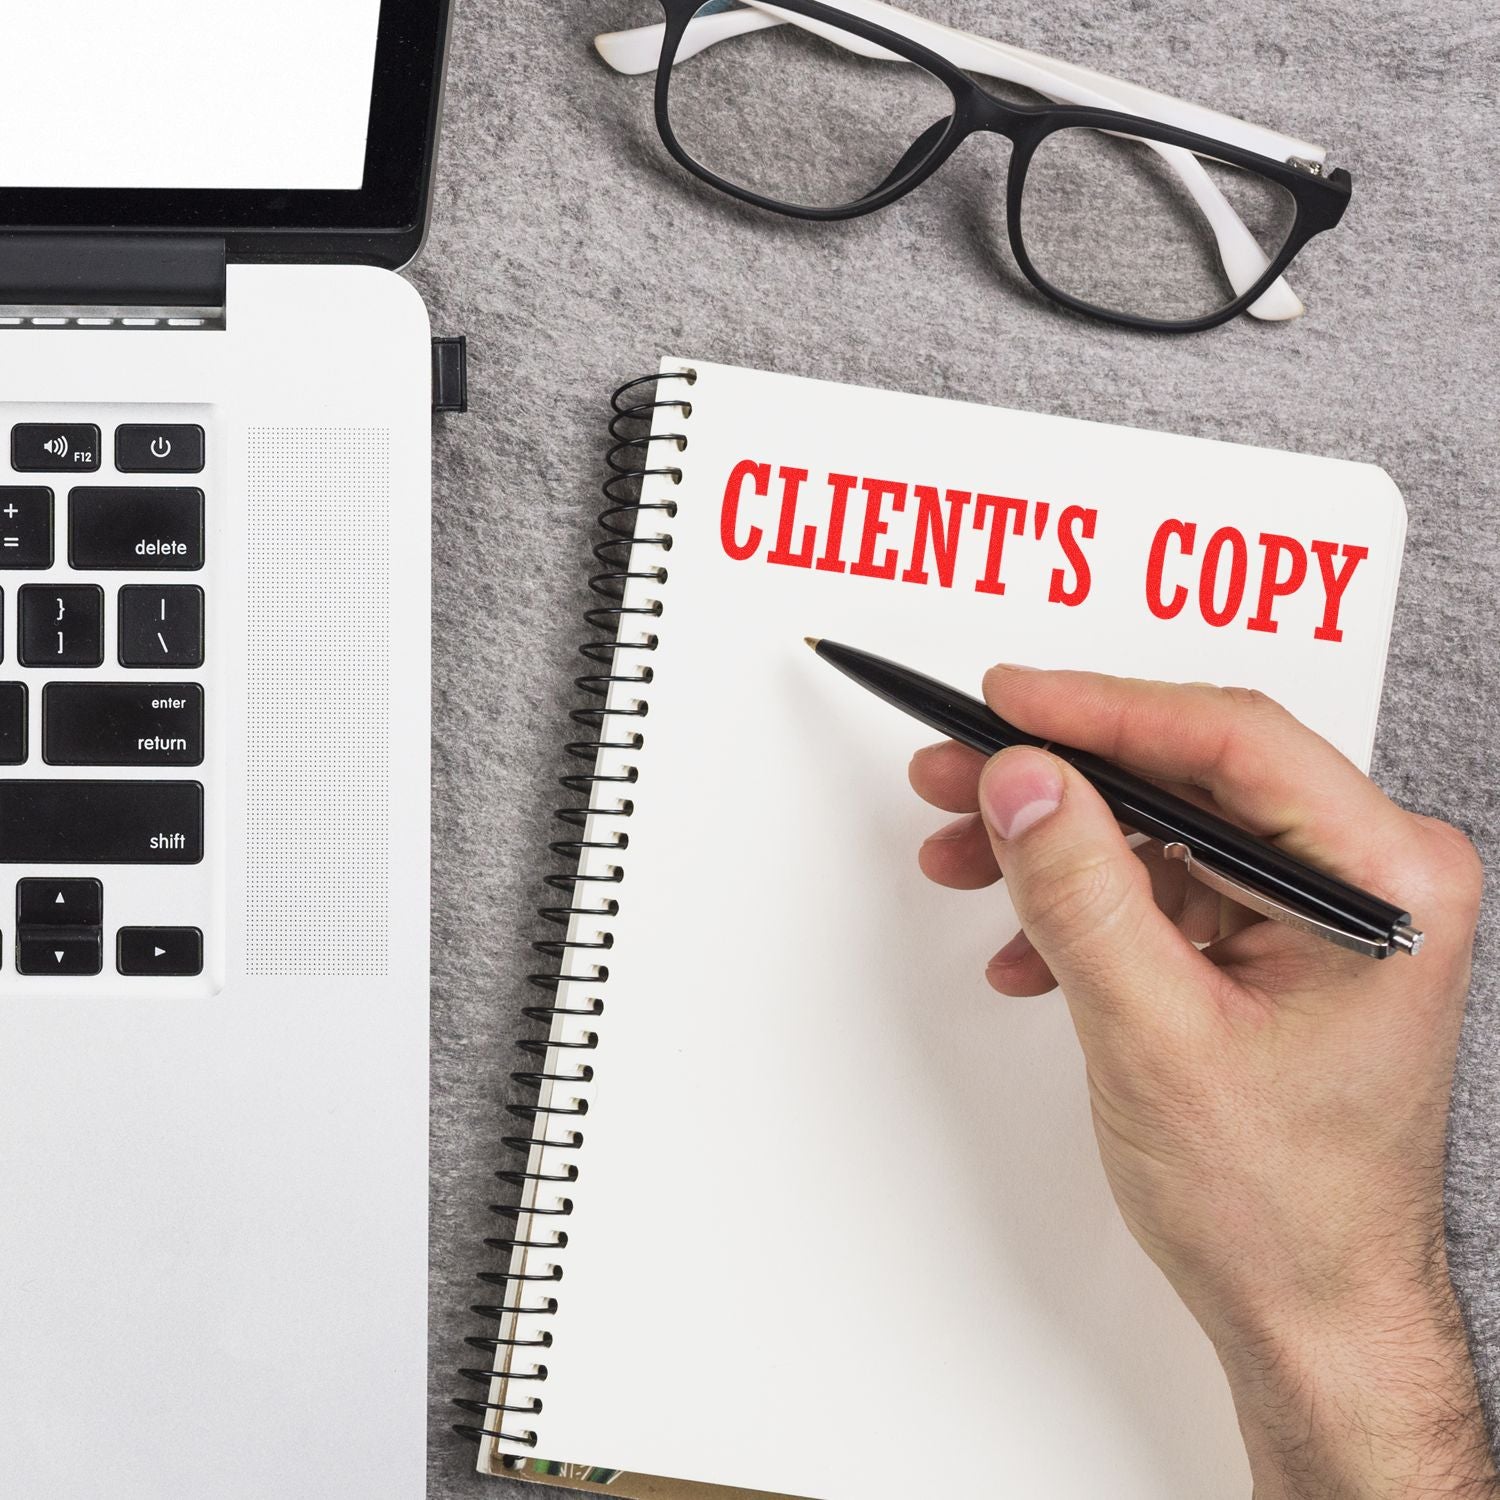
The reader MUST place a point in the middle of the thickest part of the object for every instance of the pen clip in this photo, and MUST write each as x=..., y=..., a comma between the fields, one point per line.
x=1268, y=906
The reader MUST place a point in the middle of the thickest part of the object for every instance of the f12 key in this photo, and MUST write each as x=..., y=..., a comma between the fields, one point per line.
x=52, y=447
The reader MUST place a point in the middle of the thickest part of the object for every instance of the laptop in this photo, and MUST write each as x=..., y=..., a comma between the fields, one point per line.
x=215, y=440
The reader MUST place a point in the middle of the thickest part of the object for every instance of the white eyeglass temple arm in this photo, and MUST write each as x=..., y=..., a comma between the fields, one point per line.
x=638, y=50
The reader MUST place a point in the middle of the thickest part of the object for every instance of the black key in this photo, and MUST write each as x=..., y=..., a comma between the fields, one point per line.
x=62, y=625
x=13, y=746
x=51, y=447
x=59, y=950
x=161, y=626
x=159, y=950
x=122, y=724
x=25, y=526
x=59, y=903
x=158, y=449
x=135, y=528
x=101, y=822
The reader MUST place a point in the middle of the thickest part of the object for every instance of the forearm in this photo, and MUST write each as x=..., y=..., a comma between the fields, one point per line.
x=1383, y=1408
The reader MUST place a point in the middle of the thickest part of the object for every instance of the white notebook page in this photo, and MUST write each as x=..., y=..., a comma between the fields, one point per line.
x=839, y=1220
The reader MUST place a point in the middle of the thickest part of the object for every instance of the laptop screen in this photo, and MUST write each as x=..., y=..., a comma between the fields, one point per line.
x=294, y=129
x=186, y=93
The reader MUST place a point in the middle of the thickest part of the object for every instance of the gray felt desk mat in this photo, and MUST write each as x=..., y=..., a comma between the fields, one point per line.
x=573, y=254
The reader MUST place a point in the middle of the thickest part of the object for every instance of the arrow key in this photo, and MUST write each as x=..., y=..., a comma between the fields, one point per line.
x=59, y=903
x=59, y=950
x=159, y=951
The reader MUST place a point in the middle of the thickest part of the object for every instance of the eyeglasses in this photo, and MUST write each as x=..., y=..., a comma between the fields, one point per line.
x=1121, y=203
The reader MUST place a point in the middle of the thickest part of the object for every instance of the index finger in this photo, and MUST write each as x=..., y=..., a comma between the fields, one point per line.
x=1265, y=770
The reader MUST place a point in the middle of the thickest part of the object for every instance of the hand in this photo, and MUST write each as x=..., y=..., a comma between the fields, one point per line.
x=1271, y=1109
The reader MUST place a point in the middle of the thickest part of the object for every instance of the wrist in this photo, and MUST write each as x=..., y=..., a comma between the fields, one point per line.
x=1374, y=1399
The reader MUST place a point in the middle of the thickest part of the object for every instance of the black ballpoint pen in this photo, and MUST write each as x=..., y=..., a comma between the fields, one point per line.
x=1239, y=865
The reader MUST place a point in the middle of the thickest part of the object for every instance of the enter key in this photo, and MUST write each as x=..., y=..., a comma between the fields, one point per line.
x=122, y=724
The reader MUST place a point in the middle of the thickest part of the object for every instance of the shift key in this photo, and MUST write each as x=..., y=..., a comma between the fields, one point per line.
x=137, y=528
x=101, y=822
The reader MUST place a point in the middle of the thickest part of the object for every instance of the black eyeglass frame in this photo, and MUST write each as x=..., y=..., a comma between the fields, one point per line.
x=1319, y=200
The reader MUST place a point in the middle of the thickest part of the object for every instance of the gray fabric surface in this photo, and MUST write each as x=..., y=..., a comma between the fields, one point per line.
x=573, y=254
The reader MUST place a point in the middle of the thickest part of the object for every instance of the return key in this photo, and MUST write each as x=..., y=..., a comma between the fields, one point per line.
x=122, y=724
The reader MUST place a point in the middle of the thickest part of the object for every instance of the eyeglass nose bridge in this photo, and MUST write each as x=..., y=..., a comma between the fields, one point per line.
x=981, y=112
x=976, y=111
x=973, y=113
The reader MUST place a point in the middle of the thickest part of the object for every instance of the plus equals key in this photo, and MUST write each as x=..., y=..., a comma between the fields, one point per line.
x=25, y=526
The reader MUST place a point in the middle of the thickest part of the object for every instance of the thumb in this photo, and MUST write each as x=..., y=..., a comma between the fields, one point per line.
x=1085, y=900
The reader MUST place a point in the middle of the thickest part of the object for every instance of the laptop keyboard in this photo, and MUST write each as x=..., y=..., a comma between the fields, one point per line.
x=108, y=779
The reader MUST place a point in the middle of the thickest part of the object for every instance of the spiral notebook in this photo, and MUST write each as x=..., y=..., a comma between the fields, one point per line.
x=804, y=1208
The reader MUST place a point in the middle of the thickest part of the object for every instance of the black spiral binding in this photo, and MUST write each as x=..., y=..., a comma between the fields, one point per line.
x=631, y=463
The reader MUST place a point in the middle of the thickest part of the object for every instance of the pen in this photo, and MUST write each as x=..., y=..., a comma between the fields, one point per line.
x=1237, y=864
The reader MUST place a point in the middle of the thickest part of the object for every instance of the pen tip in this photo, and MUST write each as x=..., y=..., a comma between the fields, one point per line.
x=812, y=641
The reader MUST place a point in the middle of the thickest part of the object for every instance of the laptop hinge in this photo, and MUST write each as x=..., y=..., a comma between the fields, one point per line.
x=111, y=280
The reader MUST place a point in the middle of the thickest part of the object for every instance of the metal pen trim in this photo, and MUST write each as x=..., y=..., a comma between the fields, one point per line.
x=1405, y=937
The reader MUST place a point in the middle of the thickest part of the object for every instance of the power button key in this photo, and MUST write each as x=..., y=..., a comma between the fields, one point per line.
x=155, y=448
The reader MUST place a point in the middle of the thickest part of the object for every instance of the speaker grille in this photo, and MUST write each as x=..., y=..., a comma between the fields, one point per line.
x=318, y=771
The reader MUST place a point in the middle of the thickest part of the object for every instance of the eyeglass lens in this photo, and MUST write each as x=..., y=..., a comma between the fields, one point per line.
x=1129, y=225
x=1123, y=224
x=789, y=116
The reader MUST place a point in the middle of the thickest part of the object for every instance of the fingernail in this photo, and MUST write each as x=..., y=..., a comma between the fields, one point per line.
x=1018, y=790
x=1013, y=952
x=1012, y=666
x=954, y=830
